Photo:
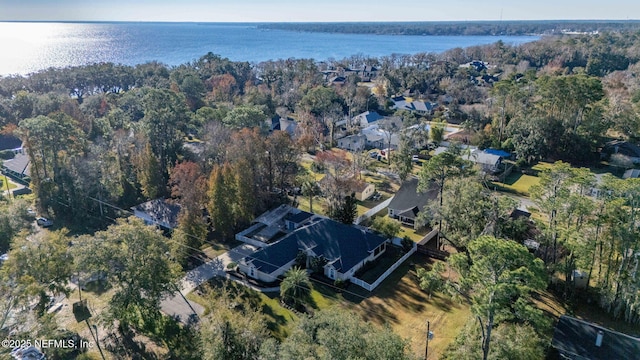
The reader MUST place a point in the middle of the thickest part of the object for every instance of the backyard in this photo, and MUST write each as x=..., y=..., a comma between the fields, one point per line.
x=397, y=302
x=6, y=185
x=517, y=183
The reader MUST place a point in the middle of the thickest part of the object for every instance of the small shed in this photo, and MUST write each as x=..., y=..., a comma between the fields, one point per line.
x=579, y=279
x=364, y=190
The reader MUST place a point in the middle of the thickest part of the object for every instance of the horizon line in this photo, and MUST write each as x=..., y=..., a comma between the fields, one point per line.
x=327, y=22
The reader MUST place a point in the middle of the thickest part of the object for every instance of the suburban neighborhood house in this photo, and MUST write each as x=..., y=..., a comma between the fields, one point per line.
x=343, y=249
x=353, y=142
x=408, y=202
x=577, y=339
x=17, y=167
x=488, y=163
x=366, y=118
x=420, y=107
x=160, y=212
x=624, y=149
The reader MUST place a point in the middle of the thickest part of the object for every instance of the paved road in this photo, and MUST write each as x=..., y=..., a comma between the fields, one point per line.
x=178, y=306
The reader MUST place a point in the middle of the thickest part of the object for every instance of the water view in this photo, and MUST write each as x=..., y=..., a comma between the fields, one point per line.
x=33, y=46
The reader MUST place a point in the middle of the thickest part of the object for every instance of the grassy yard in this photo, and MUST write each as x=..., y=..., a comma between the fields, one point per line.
x=381, y=264
x=414, y=235
x=518, y=183
x=97, y=300
x=212, y=250
x=6, y=185
x=400, y=304
x=397, y=302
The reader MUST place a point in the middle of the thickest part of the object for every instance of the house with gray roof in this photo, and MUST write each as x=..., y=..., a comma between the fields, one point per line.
x=623, y=148
x=352, y=142
x=420, y=107
x=408, y=202
x=19, y=167
x=344, y=249
x=159, y=212
x=578, y=339
x=488, y=162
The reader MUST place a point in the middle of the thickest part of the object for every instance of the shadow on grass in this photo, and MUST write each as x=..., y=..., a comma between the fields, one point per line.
x=512, y=178
x=97, y=287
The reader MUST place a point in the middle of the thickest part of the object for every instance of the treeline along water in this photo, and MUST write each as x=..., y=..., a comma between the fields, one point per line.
x=32, y=46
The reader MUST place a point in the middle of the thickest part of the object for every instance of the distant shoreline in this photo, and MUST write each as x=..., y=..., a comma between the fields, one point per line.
x=415, y=28
x=463, y=28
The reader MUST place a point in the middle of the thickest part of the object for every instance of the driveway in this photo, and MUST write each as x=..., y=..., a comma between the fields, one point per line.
x=178, y=306
x=523, y=202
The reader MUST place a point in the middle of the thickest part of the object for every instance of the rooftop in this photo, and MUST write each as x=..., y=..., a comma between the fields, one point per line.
x=576, y=339
x=344, y=245
x=160, y=211
x=9, y=142
x=19, y=164
x=408, y=201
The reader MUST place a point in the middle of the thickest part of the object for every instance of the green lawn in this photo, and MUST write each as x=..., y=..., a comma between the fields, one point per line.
x=318, y=204
x=6, y=186
x=212, y=250
x=518, y=183
x=541, y=166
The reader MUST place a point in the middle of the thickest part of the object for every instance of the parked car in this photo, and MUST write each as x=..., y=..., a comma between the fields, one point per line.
x=373, y=155
x=44, y=222
x=415, y=158
x=31, y=212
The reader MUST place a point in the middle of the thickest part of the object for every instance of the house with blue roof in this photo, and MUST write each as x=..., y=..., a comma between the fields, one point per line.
x=366, y=118
x=344, y=249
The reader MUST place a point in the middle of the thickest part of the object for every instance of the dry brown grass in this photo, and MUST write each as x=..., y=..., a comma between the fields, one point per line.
x=399, y=303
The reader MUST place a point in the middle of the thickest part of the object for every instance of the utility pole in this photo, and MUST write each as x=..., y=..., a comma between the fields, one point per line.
x=429, y=337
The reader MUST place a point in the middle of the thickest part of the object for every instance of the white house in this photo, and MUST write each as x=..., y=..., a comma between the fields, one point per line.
x=352, y=142
x=344, y=249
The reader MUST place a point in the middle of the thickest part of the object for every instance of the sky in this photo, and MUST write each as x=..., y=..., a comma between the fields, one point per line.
x=314, y=11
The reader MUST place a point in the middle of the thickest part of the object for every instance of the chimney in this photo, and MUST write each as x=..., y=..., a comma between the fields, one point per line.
x=599, y=338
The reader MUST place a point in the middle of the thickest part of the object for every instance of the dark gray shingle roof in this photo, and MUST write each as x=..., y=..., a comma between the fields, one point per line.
x=9, y=142
x=344, y=244
x=299, y=217
x=576, y=339
x=161, y=211
x=19, y=164
x=407, y=198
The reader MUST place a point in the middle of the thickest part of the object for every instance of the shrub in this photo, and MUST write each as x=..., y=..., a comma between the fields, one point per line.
x=407, y=244
x=341, y=284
